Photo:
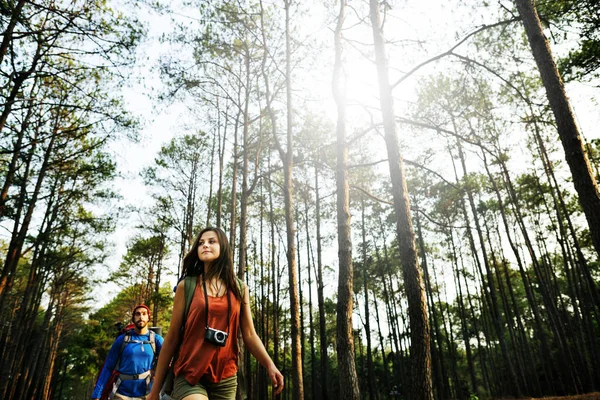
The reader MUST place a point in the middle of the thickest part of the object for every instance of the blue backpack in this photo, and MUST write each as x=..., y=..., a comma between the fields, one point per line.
x=112, y=385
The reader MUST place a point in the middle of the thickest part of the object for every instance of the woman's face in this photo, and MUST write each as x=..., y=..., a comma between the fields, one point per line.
x=209, y=248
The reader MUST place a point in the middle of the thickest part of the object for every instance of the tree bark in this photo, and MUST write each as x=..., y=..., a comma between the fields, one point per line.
x=288, y=161
x=370, y=370
x=274, y=275
x=437, y=353
x=320, y=296
x=222, y=142
x=568, y=131
x=311, y=338
x=420, y=351
x=345, y=337
x=245, y=372
x=466, y=337
x=7, y=34
x=234, y=178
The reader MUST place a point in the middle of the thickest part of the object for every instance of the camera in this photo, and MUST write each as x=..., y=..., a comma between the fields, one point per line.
x=215, y=336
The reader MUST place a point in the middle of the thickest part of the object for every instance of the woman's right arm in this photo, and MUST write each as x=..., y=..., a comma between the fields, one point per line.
x=171, y=342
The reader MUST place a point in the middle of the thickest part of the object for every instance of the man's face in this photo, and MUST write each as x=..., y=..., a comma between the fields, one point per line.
x=140, y=318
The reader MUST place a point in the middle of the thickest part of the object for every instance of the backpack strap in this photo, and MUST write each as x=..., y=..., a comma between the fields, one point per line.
x=241, y=284
x=242, y=287
x=117, y=383
x=146, y=376
x=189, y=289
x=126, y=341
x=125, y=377
x=152, y=340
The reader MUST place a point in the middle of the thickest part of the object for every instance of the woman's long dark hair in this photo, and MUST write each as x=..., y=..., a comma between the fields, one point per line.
x=222, y=267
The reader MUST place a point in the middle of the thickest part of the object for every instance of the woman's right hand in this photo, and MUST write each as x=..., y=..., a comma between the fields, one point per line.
x=154, y=393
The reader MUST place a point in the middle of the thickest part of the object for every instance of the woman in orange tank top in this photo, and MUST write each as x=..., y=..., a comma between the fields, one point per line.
x=206, y=366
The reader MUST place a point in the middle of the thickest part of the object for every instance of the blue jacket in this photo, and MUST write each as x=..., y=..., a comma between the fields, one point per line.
x=136, y=359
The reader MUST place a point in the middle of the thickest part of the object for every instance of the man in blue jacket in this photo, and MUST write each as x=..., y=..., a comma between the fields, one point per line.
x=132, y=355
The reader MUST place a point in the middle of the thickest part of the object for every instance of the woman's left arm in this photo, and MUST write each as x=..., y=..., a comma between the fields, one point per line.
x=255, y=345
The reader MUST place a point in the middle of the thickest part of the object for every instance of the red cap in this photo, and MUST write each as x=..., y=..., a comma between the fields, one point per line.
x=140, y=306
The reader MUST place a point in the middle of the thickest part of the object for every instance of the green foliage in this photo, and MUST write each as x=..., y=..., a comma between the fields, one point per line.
x=582, y=20
x=178, y=180
x=531, y=191
x=142, y=264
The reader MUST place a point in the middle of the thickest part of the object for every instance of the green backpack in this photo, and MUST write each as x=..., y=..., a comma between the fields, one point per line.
x=190, y=288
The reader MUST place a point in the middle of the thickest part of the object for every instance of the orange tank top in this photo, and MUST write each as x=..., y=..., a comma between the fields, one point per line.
x=204, y=360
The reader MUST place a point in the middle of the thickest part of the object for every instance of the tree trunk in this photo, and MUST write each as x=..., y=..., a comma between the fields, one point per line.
x=19, y=79
x=300, y=294
x=311, y=338
x=7, y=34
x=16, y=345
x=212, y=169
x=386, y=374
x=287, y=157
x=245, y=373
x=320, y=298
x=11, y=169
x=481, y=351
x=437, y=353
x=274, y=275
x=243, y=225
x=568, y=131
x=463, y=316
x=234, y=178
x=222, y=142
x=449, y=335
x=264, y=304
x=420, y=352
x=490, y=287
x=509, y=318
x=388, y=297
x=370, y=370
x=345, y=337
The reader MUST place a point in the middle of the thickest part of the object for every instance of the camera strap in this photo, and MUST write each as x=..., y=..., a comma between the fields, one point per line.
x=206, y=304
